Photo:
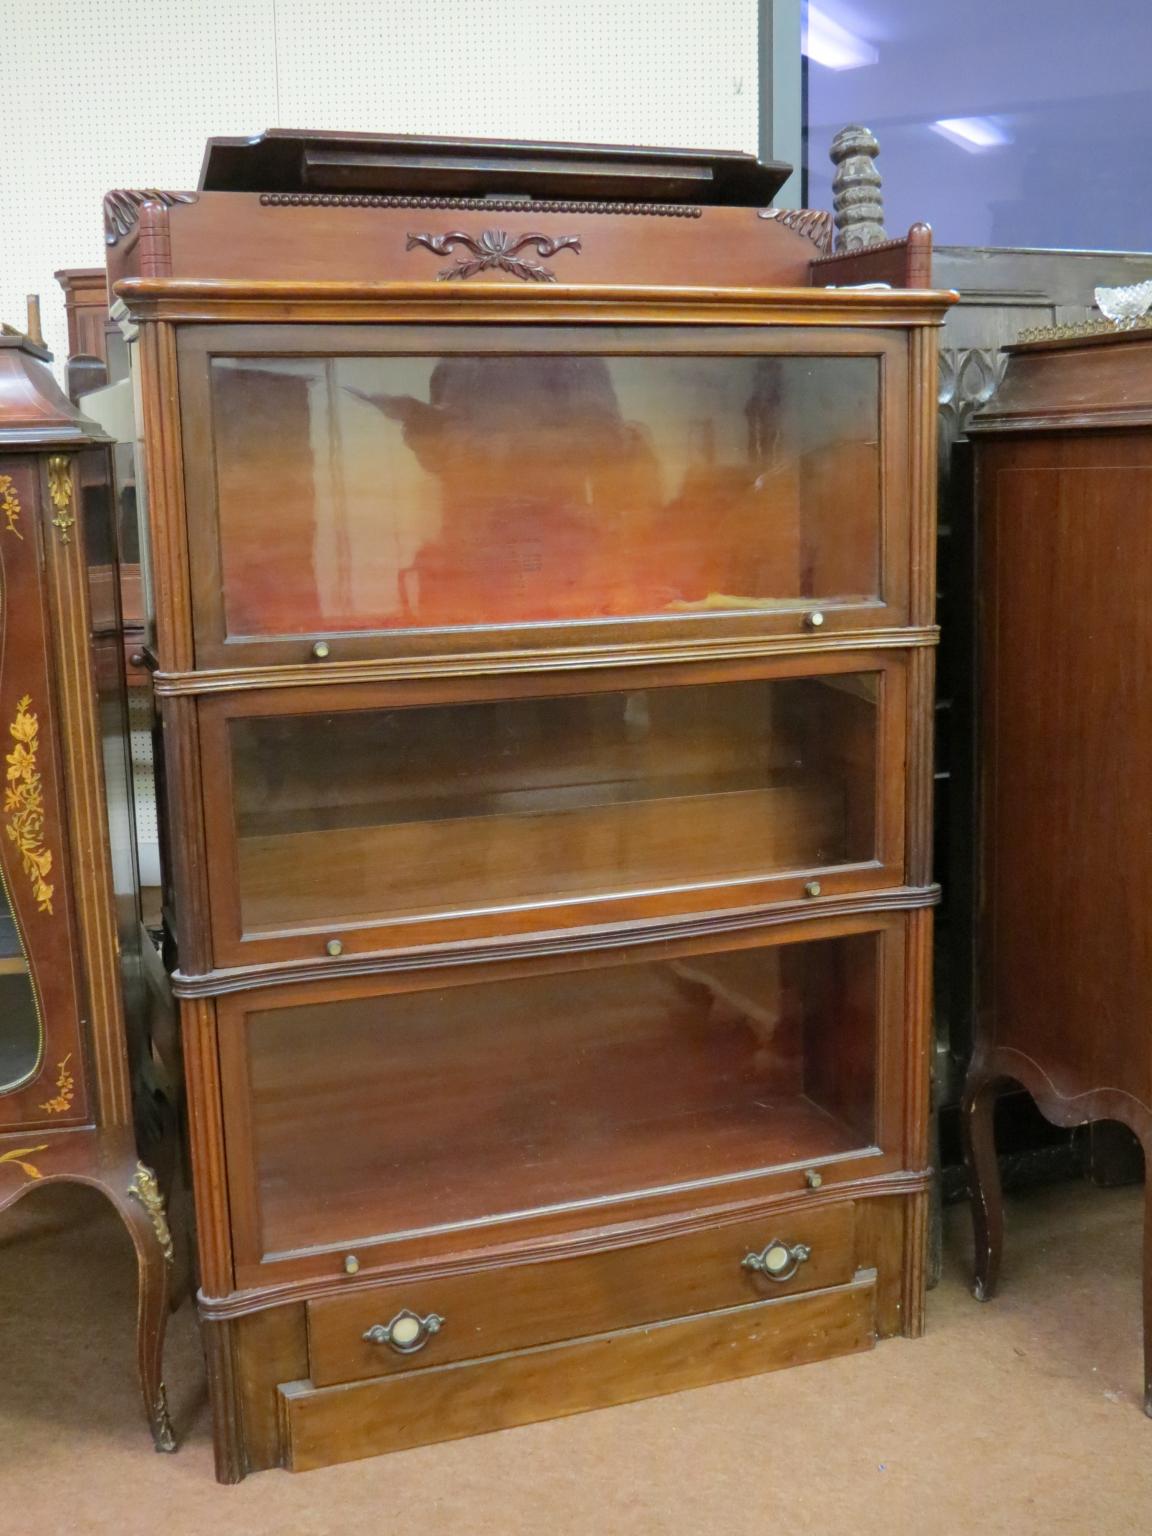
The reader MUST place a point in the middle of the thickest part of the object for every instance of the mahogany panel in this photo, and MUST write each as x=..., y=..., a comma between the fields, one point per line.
x=1067, y=557
x=302, y=236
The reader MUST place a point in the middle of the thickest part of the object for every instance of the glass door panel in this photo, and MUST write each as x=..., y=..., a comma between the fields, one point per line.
x=21, y=1035
x=477, y=489
x=382, y=815
x=392, y=1114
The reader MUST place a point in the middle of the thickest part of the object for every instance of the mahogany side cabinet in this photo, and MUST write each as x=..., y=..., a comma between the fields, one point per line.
x=65, y=1080
x=1064, y=476
x=544, y=647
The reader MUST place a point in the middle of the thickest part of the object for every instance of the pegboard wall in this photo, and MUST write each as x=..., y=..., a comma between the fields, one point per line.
x=123, y=93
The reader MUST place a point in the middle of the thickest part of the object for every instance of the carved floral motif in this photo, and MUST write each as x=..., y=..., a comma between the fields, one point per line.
x=24, y=803
x=65, y=1090
x=496, y=248
x=10, y=506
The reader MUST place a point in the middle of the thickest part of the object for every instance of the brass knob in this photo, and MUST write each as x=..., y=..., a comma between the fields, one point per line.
x=351, y=1264
x=814, y=620
x=334, y=947
x=812, y=888
x=320, y=649
x=813, y=1179
x=778, y=1260
x=406, y=1333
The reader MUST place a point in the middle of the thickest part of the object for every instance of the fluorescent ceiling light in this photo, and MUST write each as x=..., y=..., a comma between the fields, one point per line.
x=971, y=133
x=827, y=42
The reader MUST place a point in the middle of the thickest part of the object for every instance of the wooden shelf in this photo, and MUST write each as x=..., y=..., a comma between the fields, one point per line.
x=360, y=874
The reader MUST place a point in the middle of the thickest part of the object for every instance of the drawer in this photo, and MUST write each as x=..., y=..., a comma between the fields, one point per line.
x=431, y=1322
x=324, y=1425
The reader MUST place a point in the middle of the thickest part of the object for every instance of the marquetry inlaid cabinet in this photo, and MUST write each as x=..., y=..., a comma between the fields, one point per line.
x=65, y=1089
x=542, y=553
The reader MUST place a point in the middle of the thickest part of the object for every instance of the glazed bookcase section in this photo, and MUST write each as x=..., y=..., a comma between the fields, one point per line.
x=461, y=488
x=414, y=1111
x=385, y=816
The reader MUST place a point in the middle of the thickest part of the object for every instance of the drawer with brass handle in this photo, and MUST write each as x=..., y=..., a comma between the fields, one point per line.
x=406, y=1333
x=377, y=1330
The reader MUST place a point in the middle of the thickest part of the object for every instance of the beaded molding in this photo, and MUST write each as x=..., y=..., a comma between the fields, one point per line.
x=476, y=204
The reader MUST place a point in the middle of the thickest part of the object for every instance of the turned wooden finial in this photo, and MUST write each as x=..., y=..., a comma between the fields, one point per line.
x=856, y=189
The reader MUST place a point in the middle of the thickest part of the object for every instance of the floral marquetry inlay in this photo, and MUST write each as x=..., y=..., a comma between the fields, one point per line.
x=10, y=506
x=18, y=1156
x=24, y=803
x=65, y=1090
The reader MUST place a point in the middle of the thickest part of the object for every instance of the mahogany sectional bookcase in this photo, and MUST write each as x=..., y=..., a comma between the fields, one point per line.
x=542, y=570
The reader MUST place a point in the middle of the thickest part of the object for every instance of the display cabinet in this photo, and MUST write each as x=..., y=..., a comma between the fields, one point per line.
x=65, y=1092
x=543, y=641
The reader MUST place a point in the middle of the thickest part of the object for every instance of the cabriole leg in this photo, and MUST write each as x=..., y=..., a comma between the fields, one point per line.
x=983, y=1184
x=142, y=1209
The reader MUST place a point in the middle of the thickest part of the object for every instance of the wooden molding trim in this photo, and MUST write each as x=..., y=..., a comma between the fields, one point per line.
x=564, y=1245
x=234, y=299
x=554, y=942
x=174, y=684
x=92, y=892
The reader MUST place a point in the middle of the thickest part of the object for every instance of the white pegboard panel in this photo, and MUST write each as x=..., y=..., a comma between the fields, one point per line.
x=123, y=93
x=144, y=784
x=675, y=72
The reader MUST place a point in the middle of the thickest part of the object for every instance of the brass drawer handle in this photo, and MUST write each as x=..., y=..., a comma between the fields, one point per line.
x=779, y=1260
x=406, y=1333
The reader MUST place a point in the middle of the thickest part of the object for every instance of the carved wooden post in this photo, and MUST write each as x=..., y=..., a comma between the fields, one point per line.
x=856, y=188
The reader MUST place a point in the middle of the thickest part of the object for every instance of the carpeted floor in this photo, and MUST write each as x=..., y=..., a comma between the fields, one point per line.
x=1021, y=1416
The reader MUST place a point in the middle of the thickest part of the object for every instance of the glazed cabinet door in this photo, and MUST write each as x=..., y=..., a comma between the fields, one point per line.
x=378, y=491
x=395, y=1114
x=41, y=1061
x=375, y=817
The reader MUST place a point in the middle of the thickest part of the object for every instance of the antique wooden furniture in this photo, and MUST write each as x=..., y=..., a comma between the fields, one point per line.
x=65, y=1102
x=1001, y=292
x=544, y=594
x=1064, y=472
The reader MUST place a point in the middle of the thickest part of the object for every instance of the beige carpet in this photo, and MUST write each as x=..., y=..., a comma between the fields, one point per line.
x=1018, y=1416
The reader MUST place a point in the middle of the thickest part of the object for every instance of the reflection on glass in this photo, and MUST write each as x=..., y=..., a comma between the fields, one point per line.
x=20, y=1036
x=394, y=492
x=482, y=1100
x=389, y=813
